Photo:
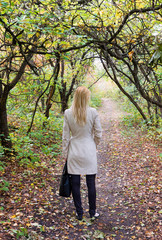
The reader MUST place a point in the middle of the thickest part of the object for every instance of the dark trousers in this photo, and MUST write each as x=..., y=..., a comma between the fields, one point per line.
x=90, y=180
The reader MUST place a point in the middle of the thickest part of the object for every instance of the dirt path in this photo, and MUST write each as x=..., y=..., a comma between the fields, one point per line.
x=110, y=117
x=115, y=216
x=128, y=192
x=128, y=199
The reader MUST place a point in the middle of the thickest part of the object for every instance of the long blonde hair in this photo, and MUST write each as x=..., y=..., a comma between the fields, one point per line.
x=80, y=104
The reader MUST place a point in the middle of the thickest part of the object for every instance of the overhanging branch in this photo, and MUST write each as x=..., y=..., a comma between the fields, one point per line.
x=142, y=10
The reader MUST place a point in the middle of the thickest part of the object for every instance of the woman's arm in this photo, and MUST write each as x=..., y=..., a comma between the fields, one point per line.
x=65, y=137
x=97, y=129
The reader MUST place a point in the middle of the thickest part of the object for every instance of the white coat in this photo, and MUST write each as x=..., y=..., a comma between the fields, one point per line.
x=79, y=142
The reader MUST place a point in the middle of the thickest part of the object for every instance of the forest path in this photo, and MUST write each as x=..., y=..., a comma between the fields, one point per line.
x=127, y=180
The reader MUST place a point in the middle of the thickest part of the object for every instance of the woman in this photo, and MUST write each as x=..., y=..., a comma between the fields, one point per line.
x=81, y=134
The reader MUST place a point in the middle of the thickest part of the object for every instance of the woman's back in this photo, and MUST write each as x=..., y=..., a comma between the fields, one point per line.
x=82, y=143
x=84, y=131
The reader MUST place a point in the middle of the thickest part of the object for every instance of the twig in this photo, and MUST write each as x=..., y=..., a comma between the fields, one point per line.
x=96, y=80
x=36, y=107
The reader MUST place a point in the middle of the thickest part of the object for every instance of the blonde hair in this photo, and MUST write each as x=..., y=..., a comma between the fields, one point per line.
x=80, y=104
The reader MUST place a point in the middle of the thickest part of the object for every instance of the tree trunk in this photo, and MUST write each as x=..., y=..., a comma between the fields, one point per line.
x=64, y=101
x=36, y=104
x=48, y=102
x=64, y=94
x=4, y=91
x=4, y=132
x=64, y=106
x=53, y=86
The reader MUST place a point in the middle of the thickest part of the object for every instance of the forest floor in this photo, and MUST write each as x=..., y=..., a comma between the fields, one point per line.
x=128, y=191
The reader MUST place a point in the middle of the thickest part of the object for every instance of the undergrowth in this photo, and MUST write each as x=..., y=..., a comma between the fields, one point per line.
x=31, y=148
x=132, y=121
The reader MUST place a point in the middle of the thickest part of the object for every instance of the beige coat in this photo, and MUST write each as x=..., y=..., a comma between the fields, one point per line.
x=79, y=142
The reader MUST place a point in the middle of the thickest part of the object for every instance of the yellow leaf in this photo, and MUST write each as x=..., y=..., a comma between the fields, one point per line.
x=82, y=223
x=47, y=44
x=70, y=225
x=140, y=4
x=37, y=34
x=131, y=55
x=131, y=41
x=42, y=11
x=13, y=216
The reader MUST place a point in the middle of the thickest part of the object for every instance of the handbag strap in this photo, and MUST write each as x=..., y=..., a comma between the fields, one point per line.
x=65, y=168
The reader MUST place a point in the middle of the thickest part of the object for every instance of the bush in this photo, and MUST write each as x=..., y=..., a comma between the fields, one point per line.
x=47, y=139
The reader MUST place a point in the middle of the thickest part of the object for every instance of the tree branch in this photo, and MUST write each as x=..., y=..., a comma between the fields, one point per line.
x=36, y=104
x=97, y=80
x=142, y=10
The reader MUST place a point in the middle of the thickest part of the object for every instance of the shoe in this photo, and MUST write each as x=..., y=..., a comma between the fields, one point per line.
x=95, y=216
x=79, y=217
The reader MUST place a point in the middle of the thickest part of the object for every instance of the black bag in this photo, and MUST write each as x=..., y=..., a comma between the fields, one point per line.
x=65, y=184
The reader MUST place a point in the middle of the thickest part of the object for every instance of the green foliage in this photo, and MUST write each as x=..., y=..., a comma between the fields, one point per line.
x=132, y=119
x=157, y=56
x=96, y=99
x=23, y=146
x=2, y=166
x=1, y=151
x=4, y=185
x=153, y=133
x=45, y=134
x=23, y=232
x=41, y=140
